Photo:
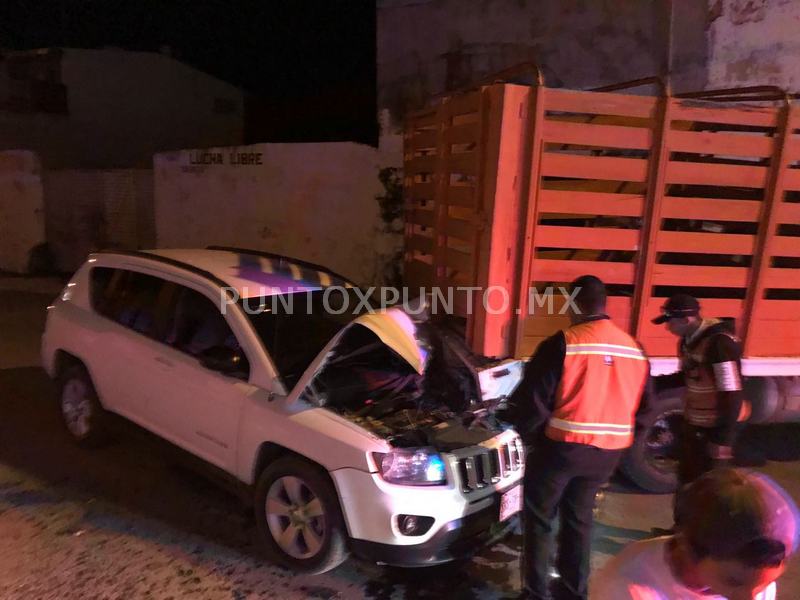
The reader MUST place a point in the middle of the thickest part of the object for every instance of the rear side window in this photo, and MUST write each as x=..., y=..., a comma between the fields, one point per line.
x=131, y=299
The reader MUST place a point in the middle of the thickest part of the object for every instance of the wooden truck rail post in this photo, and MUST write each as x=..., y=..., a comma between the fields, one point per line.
x=526, y=187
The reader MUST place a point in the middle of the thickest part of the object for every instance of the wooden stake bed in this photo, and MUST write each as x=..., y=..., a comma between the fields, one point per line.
x=529, y=187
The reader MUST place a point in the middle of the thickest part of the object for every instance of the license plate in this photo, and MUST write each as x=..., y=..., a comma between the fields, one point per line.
x=511, y=503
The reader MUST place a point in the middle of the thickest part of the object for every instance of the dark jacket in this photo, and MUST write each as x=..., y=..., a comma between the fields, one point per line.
x=722, y=347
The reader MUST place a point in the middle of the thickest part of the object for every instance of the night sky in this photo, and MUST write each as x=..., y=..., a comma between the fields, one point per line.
x=309, y=64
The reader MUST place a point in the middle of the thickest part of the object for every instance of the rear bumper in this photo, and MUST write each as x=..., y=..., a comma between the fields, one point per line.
x=454, y=540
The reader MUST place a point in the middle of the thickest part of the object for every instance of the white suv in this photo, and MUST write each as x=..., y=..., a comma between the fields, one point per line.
x=349, y=431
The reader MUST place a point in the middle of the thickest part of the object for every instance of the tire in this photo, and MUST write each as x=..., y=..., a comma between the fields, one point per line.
x=83, y=416
x=319, y=544
x=651, y=463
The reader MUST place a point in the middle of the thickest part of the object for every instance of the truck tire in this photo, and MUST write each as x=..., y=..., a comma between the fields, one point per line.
x=651, y=463
x=81, y=412
x=298, y=517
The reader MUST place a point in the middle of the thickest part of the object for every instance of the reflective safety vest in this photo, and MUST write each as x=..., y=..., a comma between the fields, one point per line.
x=601, y=386
x=701, y=406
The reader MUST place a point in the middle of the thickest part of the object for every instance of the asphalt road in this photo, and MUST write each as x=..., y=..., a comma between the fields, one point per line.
x=132, y=520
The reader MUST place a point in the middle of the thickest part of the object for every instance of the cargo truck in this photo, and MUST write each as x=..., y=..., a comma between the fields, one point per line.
x=513, y=190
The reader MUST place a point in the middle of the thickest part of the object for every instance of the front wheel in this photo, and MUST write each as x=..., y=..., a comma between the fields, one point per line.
x=298, y=517
x=652, y=461
x=81, y=411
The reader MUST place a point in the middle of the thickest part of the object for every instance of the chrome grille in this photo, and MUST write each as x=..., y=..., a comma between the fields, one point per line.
x=488, y=466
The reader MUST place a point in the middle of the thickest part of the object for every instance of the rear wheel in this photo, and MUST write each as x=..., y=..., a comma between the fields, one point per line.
x=298, y=517
x=652, y=461
x=83, y=416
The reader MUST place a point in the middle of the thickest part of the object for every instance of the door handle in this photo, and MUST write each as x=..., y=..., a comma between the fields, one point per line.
x=164, y=361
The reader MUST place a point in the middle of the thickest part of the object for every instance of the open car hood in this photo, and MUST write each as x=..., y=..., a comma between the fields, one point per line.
x=396, y=329
x=403, y=381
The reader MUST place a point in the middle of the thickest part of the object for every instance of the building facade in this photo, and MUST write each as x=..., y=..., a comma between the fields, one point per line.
x=111, y=108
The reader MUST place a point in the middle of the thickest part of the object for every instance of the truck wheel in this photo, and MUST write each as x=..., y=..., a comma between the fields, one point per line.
x=652, y=461
x=83, y=415
x=298, y=517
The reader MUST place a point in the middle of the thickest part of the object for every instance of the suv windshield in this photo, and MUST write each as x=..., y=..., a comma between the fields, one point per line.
x=295, y=327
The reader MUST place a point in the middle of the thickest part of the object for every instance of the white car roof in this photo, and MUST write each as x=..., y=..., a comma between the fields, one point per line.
x=253, y=275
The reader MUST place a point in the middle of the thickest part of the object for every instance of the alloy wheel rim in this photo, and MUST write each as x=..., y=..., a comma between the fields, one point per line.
x=295, y=517
x=76, y=407
x=662, y=441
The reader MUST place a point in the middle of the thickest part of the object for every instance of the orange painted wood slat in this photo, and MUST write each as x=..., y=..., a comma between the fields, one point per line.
x=418, y=274
x=458, y=228
x=420, y=243
x=784, y=245
x=789, y=212
x=427, y=218
x=420, y=191
x=421, y=164
x=784, y=279
x=590, y=203
x=700, y=276
x=464, y=103
x=762, y=117
x=600, y=103
x=464, y=133
x=593, y=134
x=793, y=148
x=659, y=346
x=424, y=138
x=780, y=310
x=465, y=163
x=651, y=219
x=759, y=275
x=769, y=347
x=711, y=307
x=792, y=179
x=461, y=195
x=711, y=209
x=590, y=238
x=460, y=261
x=567, y=270
x=723, y=144
x=423, y=119
x=716, y=174
x=593, y=167
x=705, y=243
x=777, y=330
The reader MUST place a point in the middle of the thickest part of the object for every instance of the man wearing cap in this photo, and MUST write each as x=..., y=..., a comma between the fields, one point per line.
x=734, y=534
x=580, y=400
x=710, y=368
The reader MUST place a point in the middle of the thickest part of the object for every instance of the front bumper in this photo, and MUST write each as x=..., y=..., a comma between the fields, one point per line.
x=456, y=539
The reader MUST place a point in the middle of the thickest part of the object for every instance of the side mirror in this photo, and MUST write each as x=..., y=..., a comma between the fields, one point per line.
x=224, y=360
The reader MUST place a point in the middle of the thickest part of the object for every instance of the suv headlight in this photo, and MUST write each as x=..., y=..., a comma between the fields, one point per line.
x=411, y=466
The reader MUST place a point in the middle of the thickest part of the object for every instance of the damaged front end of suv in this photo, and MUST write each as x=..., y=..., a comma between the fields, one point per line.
x=416, y=386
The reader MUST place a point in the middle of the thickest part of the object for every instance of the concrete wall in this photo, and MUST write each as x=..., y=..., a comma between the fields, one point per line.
x=21, y=209
x=428, y=46
x=315, y=202
x=87, y=210
x=123, y=107
x=755, y=42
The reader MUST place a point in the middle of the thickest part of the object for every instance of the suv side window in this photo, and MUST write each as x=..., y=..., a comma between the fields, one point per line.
x=197, y=325
x=130, y=298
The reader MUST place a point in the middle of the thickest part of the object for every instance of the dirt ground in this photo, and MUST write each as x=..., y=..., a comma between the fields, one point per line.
x=131, y=520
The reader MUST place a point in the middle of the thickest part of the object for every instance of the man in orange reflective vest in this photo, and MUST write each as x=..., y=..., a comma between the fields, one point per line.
x=578, y=405
x=710, y=368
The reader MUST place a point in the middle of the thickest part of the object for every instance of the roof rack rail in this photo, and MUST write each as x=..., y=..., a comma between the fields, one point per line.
x=281, y=257
x=168, y=261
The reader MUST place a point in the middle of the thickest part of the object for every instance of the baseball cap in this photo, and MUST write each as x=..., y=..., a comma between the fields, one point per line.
x=739, y=515
x=678, y=305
